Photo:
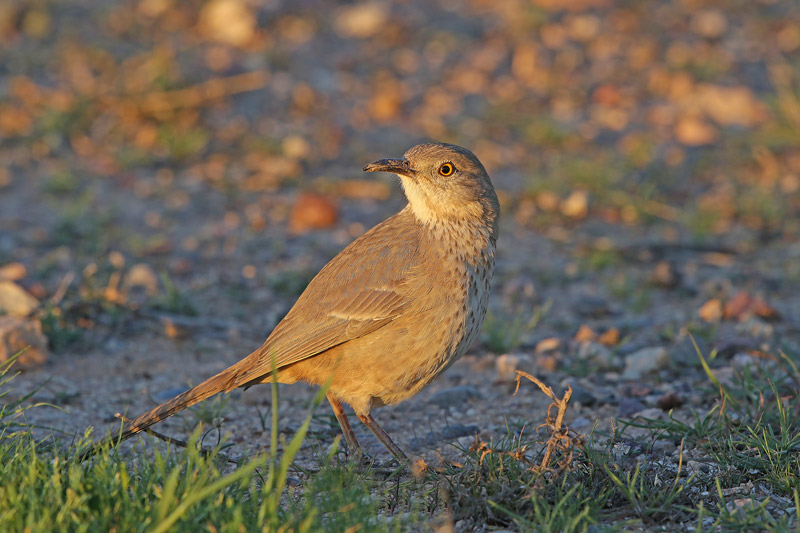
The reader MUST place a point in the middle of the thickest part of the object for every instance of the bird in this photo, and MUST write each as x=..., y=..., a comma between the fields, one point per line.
x=391, y=311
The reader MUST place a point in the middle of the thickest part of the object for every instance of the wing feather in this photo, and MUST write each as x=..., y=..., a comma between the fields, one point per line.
x=355, y=294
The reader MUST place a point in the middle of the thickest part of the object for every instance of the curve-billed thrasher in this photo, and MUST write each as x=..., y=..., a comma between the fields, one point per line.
x=389, y=313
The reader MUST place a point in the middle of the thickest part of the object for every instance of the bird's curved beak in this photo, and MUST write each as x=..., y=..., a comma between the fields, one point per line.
x=396, y=166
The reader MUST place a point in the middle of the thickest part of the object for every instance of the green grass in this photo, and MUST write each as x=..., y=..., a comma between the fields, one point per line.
x=746, y=443
x=45, y=488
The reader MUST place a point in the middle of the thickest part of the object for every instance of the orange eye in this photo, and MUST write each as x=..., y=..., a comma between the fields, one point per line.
x=446, y=169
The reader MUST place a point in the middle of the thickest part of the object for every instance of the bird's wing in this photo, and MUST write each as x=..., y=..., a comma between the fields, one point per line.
x=361, y=290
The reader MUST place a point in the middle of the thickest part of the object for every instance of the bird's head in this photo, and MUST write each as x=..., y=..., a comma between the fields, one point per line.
x=443, y=182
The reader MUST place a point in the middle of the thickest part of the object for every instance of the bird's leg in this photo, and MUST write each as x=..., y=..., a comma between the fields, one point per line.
x=344, y=423
x=383, y=437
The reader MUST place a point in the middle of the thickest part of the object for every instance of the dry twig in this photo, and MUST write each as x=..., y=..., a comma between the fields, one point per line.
x=559, y=433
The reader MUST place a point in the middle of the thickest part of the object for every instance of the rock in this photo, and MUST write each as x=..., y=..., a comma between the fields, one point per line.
x=709, y=23
x=596, y=353
x=546, y=363
x=576, y=205
x=454, y=396
x=610, y=338
x=16, y=334
x=664, y=275
x=312, y=211
x=581, y=423
x=229, y=22
x=506, y=366
x=585, y=334
x=14, y=300
x=669, y=401
x=652, y=413
x=664, y=447
x=630, y=406
x=142, y=275
x=361, y=20
x=582, y=396
x=645, y=360
x=756, y=328
x=168, y=394
x=455, y=431
x=593, y=306
x=711, y=311
x=13, y=272
x=550, y=344
x=692, y=130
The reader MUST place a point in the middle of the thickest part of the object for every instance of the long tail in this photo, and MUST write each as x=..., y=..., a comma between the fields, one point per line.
x=222, y=382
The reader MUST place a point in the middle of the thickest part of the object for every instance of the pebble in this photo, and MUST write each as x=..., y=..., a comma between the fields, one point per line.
x=14, y=300
x=756, y=327
x=506, y=367
x=596, y=352
x=696, y=467
x=580, y=423
x=582, y=396
x=644, y=361
x=652, y=413
x=593, y=306
x=13, y=271
x=18, y=333
x=456, y=431
x=168, y=394
x=454, y=396
x=669, y=401
x=630, y=407
x=665, y=447
x=142, y=275
x=549, y=344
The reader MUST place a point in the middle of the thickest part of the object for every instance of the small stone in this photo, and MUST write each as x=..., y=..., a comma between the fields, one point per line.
x=596, y=353
x=361, y=20
x=711, y=311
x=609, y=338
x=168, y=394
x=142, y=275
x=546, y=363
x=454, y=396
x=696, y=467
x=230, y=22
x=692, y=130
x=755, y=327
x=14, y=300
x=312, y=211
x=548, y=345
x=653, y=413
x=741, y=506
x=669, y=401
x=581, y=423
x=456, y=431
x=630, y=407
x=664, y=275
x=576, y=205
x=644, y=361
x=590, y=305
x=709, y=23
x=664, y=447
x=16, y=334
x=582, y=396
x=13, y=272
x=506, y=366
x=585, y=333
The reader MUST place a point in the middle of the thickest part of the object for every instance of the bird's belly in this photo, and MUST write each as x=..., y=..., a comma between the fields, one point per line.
x=395, y=362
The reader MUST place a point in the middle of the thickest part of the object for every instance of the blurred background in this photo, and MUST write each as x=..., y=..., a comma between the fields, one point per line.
x=192, y=164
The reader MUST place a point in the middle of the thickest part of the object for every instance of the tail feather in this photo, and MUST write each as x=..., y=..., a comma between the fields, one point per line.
x=222, y=382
